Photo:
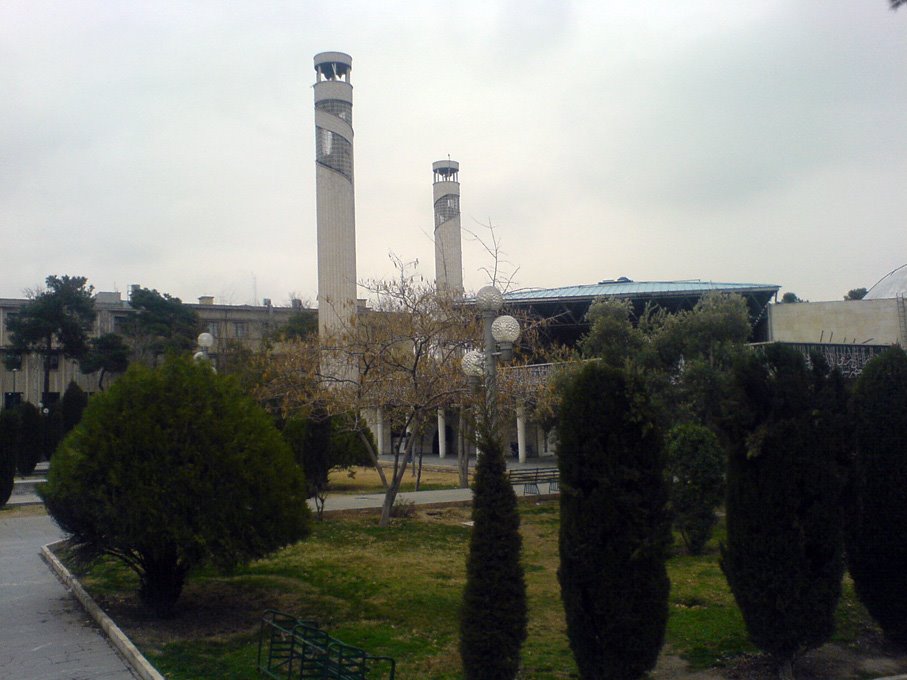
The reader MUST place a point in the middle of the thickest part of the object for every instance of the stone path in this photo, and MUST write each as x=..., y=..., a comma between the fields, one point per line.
x=45, y=633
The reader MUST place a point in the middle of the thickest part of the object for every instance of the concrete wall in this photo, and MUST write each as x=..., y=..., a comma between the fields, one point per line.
x=873, y=322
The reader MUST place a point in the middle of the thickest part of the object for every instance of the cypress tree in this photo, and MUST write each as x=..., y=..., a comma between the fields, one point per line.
x=9, y=444
x=615, y=529
x=877, y=530
x=71, y=406
x=310, y=440
x=31, y=438
x=493, y=616
x=786, y=479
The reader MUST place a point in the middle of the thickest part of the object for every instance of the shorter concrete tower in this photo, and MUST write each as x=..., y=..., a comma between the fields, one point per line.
x=334, y=188
x=448, y=243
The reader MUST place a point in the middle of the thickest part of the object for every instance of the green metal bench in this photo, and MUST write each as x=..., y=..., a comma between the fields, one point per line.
x=291, y=649
x=532, y=477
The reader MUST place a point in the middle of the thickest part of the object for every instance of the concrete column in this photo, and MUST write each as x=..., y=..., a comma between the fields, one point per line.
x=521, y=432
x=379, y=430
x=442, y=434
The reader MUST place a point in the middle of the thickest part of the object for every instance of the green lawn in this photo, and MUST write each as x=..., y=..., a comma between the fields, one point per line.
x=396, y=592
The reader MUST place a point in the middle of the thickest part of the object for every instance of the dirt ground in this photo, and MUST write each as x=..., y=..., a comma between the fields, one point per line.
x=868, y=658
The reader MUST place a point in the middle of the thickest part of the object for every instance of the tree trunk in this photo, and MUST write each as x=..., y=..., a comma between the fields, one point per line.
x=161, y=584
x=375, y=460
x=47, y=353
x=462, y=452
x=390, y=496
x=786, y=670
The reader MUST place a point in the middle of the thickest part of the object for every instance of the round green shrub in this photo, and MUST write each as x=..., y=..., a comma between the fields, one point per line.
x=695, y=474
x=173, y=468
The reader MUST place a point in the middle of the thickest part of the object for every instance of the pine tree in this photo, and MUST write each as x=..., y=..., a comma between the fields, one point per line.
x=615, y=529
x=493, y=617
x=877, y=531
x=786, y=479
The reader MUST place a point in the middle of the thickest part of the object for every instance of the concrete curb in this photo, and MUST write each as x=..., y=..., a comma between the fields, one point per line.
x=117, y=637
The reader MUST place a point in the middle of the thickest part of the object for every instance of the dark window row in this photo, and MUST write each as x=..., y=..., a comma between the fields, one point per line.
x=334, y=152
x=336, y=107
x=447, y=207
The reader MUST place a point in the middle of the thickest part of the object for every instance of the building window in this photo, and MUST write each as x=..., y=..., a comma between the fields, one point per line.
x=54, y=362
x=446, y=208
x=334, y=152
x=120, y=324
x=336, y=107
x=240, y=329
x=212, y=329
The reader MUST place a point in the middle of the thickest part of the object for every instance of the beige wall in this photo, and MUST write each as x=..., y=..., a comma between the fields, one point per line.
x=874, y=322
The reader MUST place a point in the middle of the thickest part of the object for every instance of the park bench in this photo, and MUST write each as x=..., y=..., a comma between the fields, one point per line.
x=532, y=477
x=292, y=649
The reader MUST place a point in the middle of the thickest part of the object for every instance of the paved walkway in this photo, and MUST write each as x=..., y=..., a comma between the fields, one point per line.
x=44, y=632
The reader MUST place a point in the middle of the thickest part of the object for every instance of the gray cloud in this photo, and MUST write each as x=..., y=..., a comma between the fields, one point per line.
x=172, y=144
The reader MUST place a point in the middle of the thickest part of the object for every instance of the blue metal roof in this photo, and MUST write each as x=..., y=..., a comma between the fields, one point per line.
x=626, y=288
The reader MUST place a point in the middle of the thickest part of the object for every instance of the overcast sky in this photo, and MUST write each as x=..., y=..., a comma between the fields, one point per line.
x=171, y=144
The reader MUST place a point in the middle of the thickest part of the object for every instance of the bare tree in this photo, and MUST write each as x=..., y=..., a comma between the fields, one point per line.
x=400, y=362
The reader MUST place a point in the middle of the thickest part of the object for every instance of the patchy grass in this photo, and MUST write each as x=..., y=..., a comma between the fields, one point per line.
x=13, y=511
x=365, y=480
x=396, y=592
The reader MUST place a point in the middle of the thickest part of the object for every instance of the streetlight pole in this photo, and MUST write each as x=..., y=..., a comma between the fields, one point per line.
x=494, y=610
x=500, y=332
x=205, y=342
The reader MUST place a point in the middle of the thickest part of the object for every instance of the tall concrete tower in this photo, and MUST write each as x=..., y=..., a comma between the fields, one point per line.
x=448, y=246
x=334, y=186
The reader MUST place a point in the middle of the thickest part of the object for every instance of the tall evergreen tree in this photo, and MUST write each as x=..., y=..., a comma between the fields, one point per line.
x=9, y=445
x=55, y=322
x=71, y=406
x=31, y=438
x=615, y=529
x=786, y=479
x=310, y=440
x=108, y=354
x=161, y=324
x=877, y=531
x=493, y=617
